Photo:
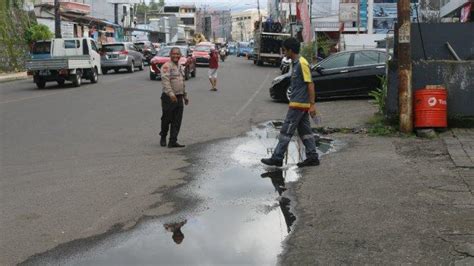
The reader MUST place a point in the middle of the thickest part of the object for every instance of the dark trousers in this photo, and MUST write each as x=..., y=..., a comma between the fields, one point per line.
x=172, y=116
x=296, y=120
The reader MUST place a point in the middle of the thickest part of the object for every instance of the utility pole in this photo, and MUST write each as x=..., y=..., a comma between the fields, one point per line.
x=116, y=19
x=404, y=67
x=358, y=17
x=291, y=20
x=313, y=31
x=57, y=20
x=370, y=16
x=258, y=7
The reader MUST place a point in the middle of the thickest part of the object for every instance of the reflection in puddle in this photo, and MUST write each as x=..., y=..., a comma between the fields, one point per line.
x=278, y=182
x=175, y=228
x=243, y=220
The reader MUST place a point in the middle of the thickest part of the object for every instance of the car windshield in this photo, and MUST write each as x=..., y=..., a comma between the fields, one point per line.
x=202, y=49
x=140, y=45
x=164, y=52
x=113, y=48
x=41, y=48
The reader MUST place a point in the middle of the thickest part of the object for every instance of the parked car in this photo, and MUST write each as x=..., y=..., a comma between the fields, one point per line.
x=187, y=60
x=344, y=74
x=201, y=53
x=121, y=55
x=64, y=59
x=147, y=49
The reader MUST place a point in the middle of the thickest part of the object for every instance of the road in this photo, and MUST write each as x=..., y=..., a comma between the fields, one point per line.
x=77, y=161
x=80, y=164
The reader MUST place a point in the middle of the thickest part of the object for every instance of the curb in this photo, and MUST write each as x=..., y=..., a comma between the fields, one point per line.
x=13, y=78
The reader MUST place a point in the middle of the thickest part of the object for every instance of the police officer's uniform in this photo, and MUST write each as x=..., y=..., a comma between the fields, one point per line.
x=172, y=77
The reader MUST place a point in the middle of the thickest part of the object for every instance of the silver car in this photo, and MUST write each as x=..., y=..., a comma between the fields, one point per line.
x=121, y=55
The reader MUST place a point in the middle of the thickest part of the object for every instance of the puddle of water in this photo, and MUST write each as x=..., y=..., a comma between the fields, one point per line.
x=245, y=217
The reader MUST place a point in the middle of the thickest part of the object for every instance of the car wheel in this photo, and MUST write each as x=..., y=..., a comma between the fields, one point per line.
x=94, y=76
x=104, y=71
x=41, y=84
x=259, y=62
x=60, y=82
x=131, y=68
x=142, y=66
x=77, y=79
x=152, y=76
x=116, y=70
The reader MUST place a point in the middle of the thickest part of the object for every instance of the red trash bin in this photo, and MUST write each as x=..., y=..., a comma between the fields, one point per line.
x=431, y=107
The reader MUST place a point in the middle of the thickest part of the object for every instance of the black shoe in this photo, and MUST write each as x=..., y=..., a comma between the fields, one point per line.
x=309, y=162
x=163, y=141
x=271, y=162
x=175, y=145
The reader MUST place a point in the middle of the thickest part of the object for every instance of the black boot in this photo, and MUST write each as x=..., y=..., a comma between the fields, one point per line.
x=309, y=162
x=271, y=162
x=175, y=145
x=163, y=142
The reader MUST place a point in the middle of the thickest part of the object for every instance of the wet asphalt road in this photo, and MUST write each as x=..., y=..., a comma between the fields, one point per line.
x=77, y=162
x=243, y=215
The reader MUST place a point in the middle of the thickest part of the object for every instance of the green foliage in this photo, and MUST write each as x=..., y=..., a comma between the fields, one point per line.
x=379, y=127
x=380, y=95
x=308, y=51
x=13, y=23
x=38, y=32
x=156, y=6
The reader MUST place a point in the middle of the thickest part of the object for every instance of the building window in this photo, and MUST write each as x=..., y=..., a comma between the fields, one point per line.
x=187, y=21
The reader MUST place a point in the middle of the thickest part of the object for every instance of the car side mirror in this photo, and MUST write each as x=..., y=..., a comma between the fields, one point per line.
x=319, y=69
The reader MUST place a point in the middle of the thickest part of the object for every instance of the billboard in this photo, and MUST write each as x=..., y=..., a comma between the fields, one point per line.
x=348, y=10
x=385, y=15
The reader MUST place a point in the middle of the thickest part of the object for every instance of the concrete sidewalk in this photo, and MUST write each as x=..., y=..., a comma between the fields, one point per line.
x=385, y=200
x=460, y=145
x=5, y=77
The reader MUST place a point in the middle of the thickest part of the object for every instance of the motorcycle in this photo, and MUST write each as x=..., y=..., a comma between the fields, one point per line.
x=223, y=54
x=285, y=65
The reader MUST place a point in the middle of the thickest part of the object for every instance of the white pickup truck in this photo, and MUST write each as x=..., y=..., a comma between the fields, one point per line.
x=69, y=59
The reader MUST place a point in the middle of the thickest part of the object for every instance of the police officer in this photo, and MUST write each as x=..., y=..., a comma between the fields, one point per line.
x=172, y=99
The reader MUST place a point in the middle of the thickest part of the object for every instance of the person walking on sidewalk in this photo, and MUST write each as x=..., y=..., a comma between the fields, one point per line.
x=300, y=108
x=172, y=99
x=213, y=66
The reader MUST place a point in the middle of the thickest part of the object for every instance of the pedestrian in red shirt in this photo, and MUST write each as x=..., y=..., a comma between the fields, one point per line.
x=213, y=66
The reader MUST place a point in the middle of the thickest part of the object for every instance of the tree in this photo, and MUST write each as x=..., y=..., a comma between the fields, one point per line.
x=156, y=6
x=38, y=32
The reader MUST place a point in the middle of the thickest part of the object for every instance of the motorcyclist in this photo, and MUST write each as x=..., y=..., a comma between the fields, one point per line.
x=223, y=53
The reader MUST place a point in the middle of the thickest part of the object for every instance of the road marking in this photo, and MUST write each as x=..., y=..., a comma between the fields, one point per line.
x=66, y=90
x=29, y=98
x=251, y=98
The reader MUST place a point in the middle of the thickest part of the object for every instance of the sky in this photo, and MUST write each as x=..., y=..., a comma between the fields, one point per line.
x=234, y=5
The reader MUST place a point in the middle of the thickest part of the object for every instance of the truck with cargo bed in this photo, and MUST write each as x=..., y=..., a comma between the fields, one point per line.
x=60, y=60
x=268, y=47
